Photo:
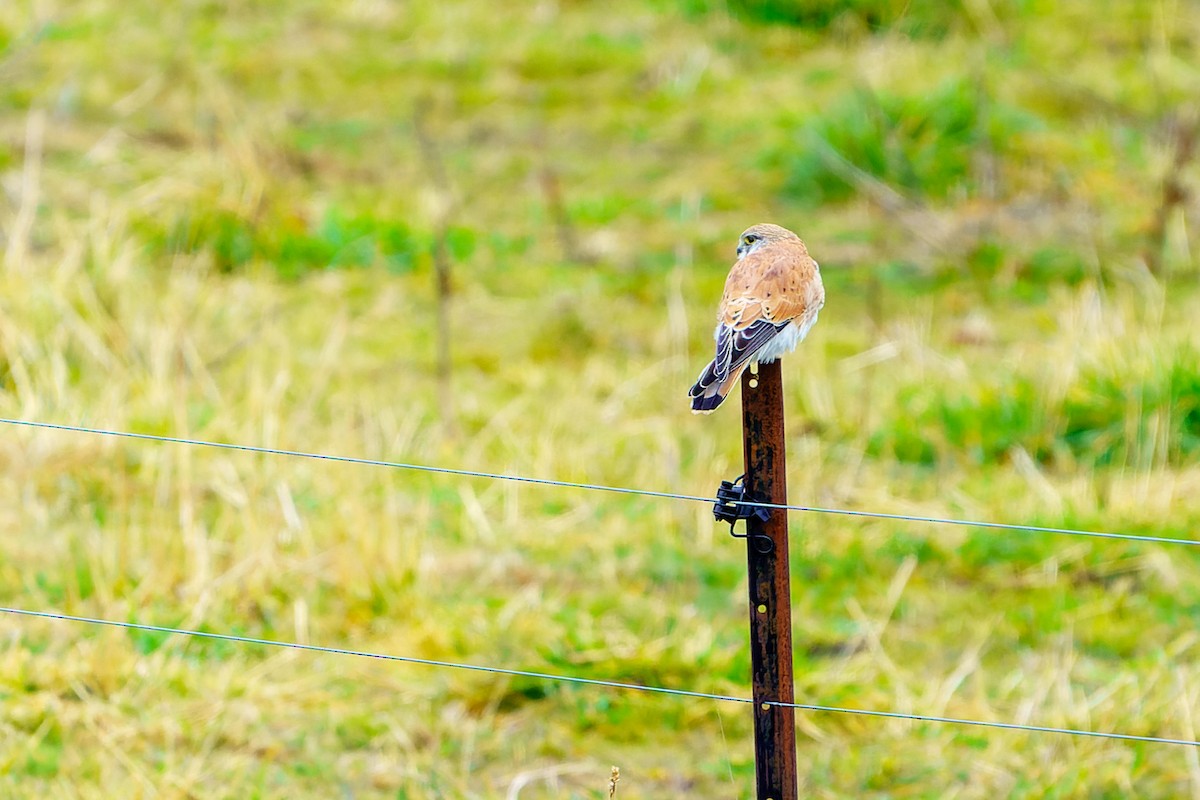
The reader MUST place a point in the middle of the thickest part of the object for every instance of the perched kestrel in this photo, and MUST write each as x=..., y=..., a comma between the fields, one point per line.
x=772, y=297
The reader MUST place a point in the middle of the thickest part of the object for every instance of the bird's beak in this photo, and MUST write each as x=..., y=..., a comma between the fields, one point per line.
x=741, y=251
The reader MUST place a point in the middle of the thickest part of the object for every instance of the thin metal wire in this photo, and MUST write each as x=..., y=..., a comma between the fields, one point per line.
x=228, y=637
x=1011, y=726
x=598, y=487
x=343, y=651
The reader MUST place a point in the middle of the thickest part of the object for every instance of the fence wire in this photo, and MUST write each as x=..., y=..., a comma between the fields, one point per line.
x=609, y=684
x=468, y=473
x=637, y=687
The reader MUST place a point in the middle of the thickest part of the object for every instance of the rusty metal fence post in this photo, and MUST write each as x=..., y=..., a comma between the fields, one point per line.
x=770, y=598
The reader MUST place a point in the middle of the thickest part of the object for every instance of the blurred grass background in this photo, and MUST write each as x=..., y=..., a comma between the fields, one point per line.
x=220, y=219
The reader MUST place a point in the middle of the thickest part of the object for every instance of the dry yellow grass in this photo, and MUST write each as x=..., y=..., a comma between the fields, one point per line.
x=963, y=384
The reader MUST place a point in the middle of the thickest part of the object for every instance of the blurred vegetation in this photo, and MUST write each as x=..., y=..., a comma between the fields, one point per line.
x=223, y=219
x=1109, y=415
x=932, y=20
x=927, y=145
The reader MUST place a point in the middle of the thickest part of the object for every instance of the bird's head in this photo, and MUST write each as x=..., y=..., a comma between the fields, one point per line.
x=757, y=236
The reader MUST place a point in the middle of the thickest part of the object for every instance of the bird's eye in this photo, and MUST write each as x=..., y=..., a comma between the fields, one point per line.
x=749, y=238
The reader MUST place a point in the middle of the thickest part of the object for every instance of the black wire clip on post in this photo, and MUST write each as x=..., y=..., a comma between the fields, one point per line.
x=730, y=507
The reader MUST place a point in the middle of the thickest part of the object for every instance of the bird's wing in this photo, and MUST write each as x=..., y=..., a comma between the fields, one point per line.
x=736, y=346
x=777, y=284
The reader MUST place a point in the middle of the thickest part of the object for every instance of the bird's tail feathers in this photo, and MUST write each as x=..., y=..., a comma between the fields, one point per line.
x=708, y=392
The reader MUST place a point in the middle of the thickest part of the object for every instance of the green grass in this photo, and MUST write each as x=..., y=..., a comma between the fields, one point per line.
x=927, y=144
x=1125, y=413
x=216, y=221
